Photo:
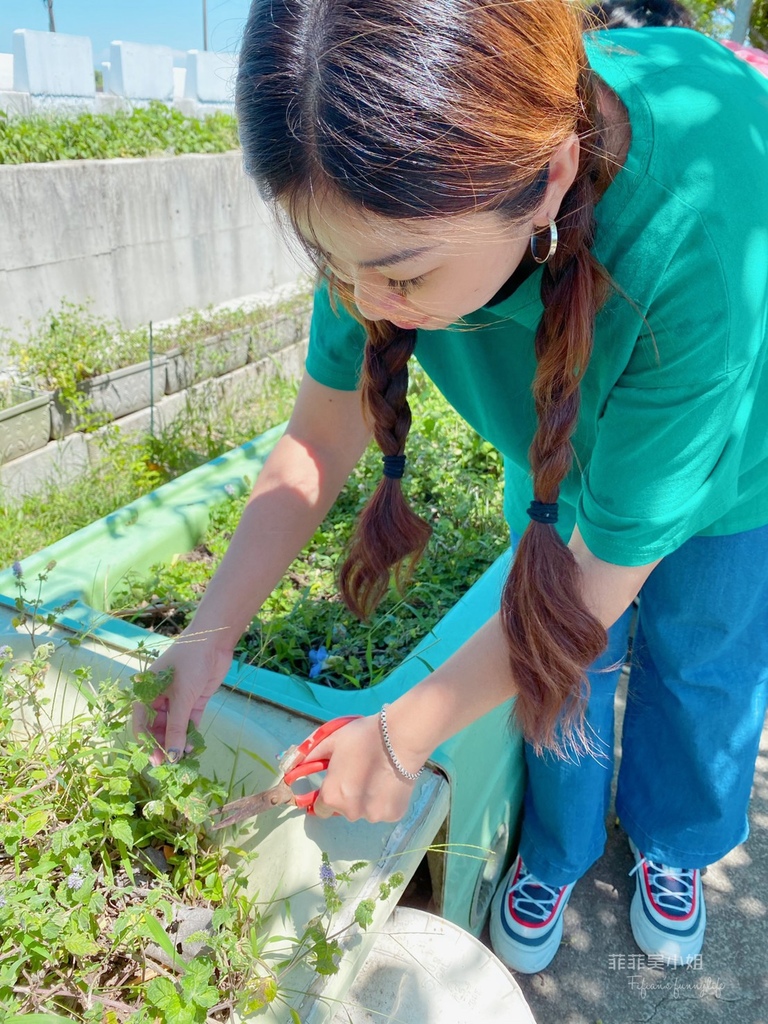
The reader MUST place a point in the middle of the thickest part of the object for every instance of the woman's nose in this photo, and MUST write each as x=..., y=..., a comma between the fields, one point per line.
x=375, y=300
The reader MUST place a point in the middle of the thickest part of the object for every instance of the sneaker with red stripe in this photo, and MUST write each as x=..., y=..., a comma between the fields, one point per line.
x=667, y=914
x=527, y=920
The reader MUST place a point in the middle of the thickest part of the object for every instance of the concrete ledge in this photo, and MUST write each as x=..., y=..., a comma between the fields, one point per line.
x=64, y=462
x=140, y=72
x=60, y=462
x=210, y=77
x=55, y=69
x=15, y=104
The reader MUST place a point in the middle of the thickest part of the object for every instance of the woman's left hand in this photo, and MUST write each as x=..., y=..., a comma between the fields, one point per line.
x=361, y=781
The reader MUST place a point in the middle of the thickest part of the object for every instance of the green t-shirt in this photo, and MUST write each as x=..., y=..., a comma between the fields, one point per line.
x=672, y=438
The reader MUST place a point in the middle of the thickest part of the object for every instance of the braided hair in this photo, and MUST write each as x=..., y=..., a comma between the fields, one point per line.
x=414, y=109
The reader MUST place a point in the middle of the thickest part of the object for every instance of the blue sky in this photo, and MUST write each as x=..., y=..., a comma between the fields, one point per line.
x=175, y=23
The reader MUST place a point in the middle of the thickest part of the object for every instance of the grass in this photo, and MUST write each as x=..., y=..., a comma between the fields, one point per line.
x=130, y=468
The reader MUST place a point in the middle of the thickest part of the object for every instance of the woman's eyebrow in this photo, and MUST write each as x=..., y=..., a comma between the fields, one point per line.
x=381, y=261
x=395, y=257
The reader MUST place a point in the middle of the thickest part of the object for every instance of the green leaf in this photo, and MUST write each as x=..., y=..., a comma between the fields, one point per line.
x=155, y=809
x=326, y=956
x=35, y=822
x=193, y=807
x=223, y=916
x=121, y=829
x=149, y=685
x=260, y=760
x=270, y=990
x=160, y=936
x=364, y=913
x=119, y=785
x=196, y=977
x=80, y=944
x=196, y=738
x=161, y=993
x=139, y=760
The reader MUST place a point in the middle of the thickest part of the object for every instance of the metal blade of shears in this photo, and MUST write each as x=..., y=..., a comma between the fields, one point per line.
x=249, y=806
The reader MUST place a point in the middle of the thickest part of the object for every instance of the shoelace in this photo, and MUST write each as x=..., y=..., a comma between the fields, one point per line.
x=672, y=888
x=536, y=906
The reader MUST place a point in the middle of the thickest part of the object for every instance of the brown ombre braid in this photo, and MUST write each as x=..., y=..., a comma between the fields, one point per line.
x=409, y=109
x=552, y=635
x=389, y=535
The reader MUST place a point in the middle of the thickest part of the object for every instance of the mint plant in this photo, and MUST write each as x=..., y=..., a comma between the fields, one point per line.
x=101, y=852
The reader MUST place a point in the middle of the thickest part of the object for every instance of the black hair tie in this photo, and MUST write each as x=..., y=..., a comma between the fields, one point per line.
x=541, y=512
x=394, y=466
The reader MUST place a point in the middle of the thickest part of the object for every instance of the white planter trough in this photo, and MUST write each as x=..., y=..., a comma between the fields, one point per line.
x=414, y=970
x=25, y=422
x=110, y=396
x=210, y=357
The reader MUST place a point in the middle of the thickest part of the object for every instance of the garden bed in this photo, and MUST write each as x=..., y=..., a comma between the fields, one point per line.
x=96, y=372
x=101, y=563
x=25, y=420
x=115, y=905
x=454, y=479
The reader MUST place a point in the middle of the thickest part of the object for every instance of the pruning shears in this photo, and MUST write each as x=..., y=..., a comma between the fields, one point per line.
x=293, y=766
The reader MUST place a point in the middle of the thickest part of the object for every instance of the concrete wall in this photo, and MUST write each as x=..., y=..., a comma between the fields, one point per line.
x=55, y=70
x=144, y=239
x=140, y=73
x=6, y=72
x=54, y=73
x=211, y=77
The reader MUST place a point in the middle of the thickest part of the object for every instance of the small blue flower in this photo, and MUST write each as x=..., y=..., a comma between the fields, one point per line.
x=6, y=652
x=230, y=490
x=317, y=660
x=18, y=572
x=327, y=875
x=3, y=901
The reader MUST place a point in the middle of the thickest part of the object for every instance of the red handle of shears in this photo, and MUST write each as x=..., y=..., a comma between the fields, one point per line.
x=305, y=768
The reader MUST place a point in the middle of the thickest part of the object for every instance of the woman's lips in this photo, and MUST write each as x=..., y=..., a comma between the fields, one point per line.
x=408, y=325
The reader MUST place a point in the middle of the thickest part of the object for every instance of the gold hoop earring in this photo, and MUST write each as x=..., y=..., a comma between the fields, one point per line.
x=552, y=243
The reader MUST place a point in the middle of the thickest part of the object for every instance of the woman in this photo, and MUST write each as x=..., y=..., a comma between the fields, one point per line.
x=575, y=244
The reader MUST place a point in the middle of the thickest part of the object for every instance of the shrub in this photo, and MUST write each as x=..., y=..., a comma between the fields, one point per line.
x=155, y=130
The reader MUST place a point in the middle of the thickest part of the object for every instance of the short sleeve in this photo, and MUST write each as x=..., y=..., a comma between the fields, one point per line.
x=336, y=343
x=664, y=467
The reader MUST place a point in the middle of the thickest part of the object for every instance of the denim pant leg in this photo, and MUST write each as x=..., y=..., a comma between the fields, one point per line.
x=697, y=700
x=566, y=800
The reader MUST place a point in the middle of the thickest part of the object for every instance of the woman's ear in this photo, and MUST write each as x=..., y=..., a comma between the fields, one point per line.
x=563, y=168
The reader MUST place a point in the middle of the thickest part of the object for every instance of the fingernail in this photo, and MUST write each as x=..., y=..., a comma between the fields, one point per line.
x=189, y=748
x=173, y=756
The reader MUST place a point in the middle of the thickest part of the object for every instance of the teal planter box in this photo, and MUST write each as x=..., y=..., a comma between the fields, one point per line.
x=483, y=764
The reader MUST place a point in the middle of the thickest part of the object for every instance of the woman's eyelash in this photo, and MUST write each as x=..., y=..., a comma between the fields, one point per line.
x=404, y=286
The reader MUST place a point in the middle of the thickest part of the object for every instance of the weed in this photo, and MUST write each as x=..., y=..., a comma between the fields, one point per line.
x=130, y=467
x=303, y=628
x=155, y=130
x=100, y=853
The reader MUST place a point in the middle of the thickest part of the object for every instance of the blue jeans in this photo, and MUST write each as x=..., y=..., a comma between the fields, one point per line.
x=694, y=716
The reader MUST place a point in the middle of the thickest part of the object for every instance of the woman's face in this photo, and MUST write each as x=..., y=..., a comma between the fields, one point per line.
x=425, y=273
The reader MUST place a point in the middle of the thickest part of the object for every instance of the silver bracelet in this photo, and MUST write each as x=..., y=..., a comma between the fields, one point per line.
x=411, y=776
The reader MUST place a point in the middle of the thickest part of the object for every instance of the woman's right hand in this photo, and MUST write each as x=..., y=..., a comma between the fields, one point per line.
x=198, y=667
x=296, y=487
